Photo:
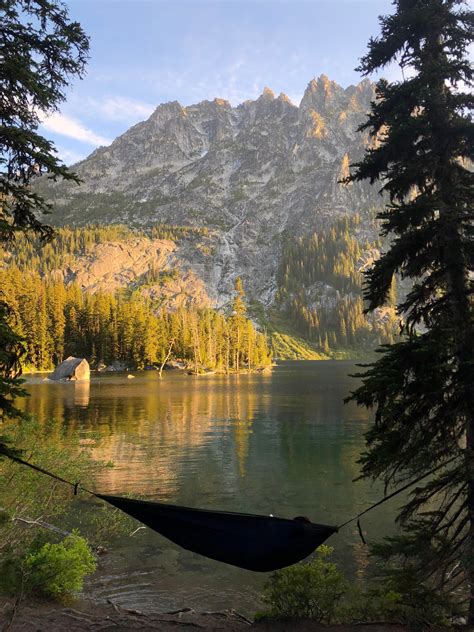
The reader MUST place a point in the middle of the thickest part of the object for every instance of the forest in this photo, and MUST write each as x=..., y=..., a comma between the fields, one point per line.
x=56, y=321
x=320, y=289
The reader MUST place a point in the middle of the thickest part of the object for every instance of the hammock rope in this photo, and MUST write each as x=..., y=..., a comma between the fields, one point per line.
x=254, y=542
x=400, y=490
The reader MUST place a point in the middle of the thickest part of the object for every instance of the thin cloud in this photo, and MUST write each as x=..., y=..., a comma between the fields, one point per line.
x=66, y=126
x=69, y=156
x=120, y=109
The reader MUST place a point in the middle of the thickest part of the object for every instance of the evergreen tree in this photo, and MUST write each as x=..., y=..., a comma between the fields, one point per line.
x=40, y=51
x=238, y=322
x=423, y=386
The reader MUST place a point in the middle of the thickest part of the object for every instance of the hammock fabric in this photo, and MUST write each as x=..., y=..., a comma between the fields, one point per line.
x=257, y=543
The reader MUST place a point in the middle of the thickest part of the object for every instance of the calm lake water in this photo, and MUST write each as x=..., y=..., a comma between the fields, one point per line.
x=281, y=443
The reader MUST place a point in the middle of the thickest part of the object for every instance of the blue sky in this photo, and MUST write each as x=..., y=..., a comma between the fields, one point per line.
x=146, y=52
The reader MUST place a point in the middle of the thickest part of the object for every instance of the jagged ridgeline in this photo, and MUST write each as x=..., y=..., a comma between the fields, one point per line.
x=249, y=174
x=130, y=325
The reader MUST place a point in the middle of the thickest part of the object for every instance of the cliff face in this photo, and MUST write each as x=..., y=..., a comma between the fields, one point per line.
x=251, y=174
x=154, y=267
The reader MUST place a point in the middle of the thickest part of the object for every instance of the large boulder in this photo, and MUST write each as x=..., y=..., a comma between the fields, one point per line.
x=72, y=369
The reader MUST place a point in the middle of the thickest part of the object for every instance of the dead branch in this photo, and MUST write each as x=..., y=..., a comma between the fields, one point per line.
x=42, y=524
x=167, y=357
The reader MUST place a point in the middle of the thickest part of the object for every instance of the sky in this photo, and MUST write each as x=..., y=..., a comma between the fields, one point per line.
x=147, y=52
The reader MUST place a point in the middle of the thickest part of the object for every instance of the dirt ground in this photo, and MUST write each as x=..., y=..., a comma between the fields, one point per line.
x=38, y=616
x=85, y=615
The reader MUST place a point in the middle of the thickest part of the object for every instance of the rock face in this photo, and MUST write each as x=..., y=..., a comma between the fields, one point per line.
x=251, y=174
x=153, y=266
x=72, y=369
x=113, y=265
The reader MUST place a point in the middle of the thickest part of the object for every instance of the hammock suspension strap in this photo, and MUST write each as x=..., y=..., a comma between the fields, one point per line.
x=37, y=468
x=393, y=494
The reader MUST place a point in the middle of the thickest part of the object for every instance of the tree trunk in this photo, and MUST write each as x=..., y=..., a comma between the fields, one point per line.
x=463, y=329
x=160, y=373
x=457, y=277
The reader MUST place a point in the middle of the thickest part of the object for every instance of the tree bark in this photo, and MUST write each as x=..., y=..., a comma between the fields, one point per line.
x=463, y=329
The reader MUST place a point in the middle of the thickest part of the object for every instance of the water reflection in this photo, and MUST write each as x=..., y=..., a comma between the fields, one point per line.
x=282, y=443
x=82, y=393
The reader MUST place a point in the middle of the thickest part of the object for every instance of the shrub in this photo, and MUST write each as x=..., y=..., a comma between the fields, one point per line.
x=58, y=570
x=306, y=590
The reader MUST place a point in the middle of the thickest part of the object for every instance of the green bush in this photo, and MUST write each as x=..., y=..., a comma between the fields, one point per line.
x=306, y=590
x=317, y=590
x=381, y=603
x=58, y=570
x=400, y=596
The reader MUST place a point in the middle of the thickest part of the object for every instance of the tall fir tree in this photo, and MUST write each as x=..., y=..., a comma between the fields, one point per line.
x=41, y=50
x=238, y=321
x=422, y=388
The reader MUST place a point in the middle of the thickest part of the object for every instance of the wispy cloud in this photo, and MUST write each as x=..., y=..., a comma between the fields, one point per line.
x=70, y=156
x=117, y=108
x=67, y=126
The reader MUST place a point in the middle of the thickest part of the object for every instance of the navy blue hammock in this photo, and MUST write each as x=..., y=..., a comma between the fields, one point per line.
x=253, y=542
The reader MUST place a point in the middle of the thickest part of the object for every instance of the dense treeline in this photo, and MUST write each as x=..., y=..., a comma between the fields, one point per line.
x=56, y=321
x=330, y=257
x=320, y=287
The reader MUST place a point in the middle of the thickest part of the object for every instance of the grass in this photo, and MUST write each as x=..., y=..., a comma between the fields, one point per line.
x=288, y=347
x=288, y=344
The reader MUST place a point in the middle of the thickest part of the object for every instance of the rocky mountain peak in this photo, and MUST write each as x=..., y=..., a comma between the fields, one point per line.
x=166, y=111
x=286, y=99
x=267, y=94
x=325, y=83
x=320, y=93
x=361, y=95
x=222, y=103
x=251, y=174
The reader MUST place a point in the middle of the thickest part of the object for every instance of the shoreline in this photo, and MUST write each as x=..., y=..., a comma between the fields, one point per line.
x=266, y=369
x=30, y=615
x=29, y=374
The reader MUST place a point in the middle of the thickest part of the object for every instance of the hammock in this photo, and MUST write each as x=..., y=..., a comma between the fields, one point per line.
x=256, y=543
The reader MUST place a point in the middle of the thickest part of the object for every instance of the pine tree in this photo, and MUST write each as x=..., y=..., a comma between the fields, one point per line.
x=423, y=386
x=40, y=51
x=238, y=321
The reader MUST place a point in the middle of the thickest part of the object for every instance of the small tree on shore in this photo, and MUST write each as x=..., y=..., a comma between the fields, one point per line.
x=422, y=388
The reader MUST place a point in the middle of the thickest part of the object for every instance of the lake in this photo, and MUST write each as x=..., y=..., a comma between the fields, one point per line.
x=280, y=443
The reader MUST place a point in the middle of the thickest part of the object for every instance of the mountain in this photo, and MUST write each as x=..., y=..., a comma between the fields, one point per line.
x=252, y=174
